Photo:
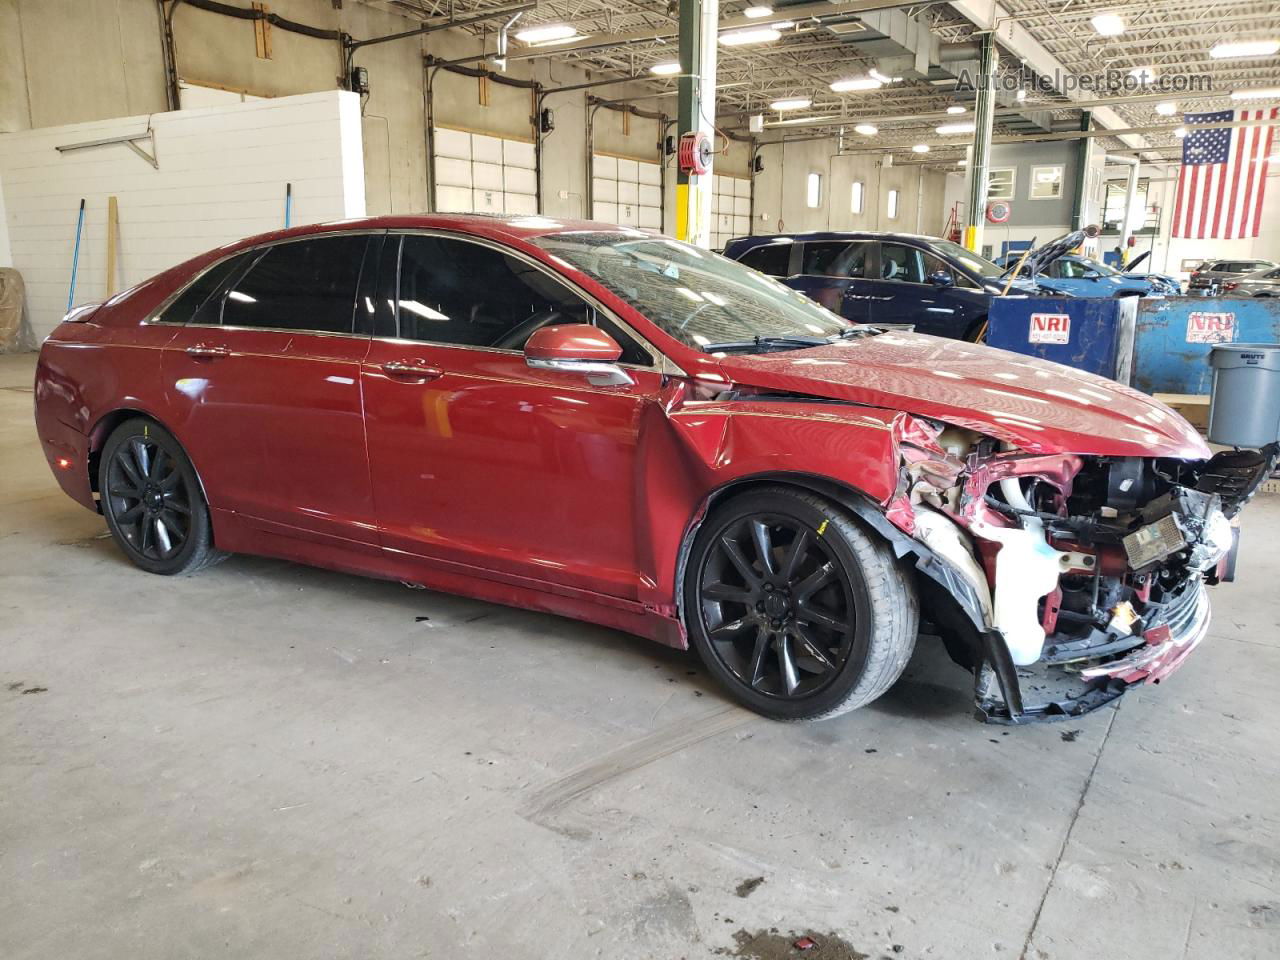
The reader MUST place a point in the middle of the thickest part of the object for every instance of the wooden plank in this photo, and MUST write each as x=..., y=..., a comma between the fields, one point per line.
x=113, y=231
x=262, y=33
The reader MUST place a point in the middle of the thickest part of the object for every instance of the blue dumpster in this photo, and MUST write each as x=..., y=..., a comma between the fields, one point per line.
x=1089, y=334
x=1175, y=337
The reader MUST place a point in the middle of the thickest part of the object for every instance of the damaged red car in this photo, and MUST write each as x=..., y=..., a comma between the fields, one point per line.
x=607, y=424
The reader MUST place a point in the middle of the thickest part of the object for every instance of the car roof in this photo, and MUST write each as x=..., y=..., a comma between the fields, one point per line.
x=839, y=235
x=493, y=226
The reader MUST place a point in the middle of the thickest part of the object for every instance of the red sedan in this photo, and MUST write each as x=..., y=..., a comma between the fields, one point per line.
x=607, y=424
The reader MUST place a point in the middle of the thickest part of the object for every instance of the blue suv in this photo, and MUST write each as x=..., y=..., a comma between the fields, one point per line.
x=892, y=278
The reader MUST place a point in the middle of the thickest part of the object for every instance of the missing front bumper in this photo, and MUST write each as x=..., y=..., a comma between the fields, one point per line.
x=1005, y=693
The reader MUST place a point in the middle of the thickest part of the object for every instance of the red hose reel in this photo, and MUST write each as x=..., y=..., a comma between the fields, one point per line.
x=694, y=155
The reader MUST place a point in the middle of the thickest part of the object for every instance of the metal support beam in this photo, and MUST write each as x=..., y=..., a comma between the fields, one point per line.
x=980, y=160
x=1082, y=174
x=697, y=104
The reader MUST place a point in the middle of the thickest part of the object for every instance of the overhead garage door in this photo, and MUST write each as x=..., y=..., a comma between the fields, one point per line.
x=477, y=173
x=626, y=191
x=730, y=210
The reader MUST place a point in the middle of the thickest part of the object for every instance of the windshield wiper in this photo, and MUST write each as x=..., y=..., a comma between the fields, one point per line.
x=764, y=343
x=857, y=330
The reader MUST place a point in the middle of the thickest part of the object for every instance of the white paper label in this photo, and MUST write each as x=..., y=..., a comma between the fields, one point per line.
x=1211, y=328
x=1050, y=328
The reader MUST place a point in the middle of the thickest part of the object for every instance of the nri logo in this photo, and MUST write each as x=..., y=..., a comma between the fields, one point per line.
x=1211, y=328
x=1050, y=328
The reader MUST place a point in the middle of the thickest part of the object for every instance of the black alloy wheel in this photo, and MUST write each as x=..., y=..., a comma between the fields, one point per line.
x=152, y=500
x=777, y=606
x=795, y=607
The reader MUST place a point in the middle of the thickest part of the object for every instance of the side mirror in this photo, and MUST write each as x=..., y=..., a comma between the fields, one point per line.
x=577, y=348
x=942, y=278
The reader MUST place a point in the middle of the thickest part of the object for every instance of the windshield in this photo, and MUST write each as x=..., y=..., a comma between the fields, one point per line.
x=967, y=258
x=698, y=297
x=1100, y=268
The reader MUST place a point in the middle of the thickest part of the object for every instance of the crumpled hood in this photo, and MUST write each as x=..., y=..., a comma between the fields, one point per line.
x=1039, y=258
x=1038, y=406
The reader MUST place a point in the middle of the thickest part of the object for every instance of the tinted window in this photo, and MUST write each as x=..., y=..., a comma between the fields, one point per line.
x=200, y=302
x=773, y=259
x=471, y=295
x=300, y=285
x=903, y=263
x=837, y=258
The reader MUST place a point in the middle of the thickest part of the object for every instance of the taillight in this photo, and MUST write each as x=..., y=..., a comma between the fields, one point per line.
x=1230, y=286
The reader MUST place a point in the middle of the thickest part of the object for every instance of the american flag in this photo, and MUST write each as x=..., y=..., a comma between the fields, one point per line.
x=1222, y=177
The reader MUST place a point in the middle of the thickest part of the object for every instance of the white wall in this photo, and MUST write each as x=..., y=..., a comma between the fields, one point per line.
x=222, y=176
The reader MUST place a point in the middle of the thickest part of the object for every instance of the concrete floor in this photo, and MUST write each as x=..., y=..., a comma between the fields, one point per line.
x=266, y=760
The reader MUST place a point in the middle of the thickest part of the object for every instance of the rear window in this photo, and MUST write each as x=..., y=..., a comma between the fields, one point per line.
x=300, y=285
x=771, y=259
x=201, y=302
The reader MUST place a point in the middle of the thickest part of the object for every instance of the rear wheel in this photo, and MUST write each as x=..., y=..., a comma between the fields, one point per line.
x=795, y=608
x=152, y=500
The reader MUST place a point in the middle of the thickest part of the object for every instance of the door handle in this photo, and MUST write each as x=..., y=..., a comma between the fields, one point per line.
x=207, y=351
x=412, y=370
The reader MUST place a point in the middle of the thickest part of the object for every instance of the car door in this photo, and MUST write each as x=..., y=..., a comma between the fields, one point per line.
x=479, y=460
x=268, y=382
x=902, y=294
x=832, y=272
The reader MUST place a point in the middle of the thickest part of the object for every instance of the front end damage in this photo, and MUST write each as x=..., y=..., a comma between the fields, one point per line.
x=1061, y=580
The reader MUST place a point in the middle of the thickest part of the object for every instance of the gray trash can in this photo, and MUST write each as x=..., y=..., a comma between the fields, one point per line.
x=1244, y=410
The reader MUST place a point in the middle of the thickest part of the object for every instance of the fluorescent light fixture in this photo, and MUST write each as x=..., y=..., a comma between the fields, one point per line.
x=741, y=38
x=866, y=129
x=755, y=13
x=1143, y=74
x=1021, y=95
x=955, y=110
x=877, y=75
x=854, y=84
x=795, y=103
x=1180, y=133
x=920, y=148
x=949, y=129
x=547, y=33
x=962, y=162
x=1166, y=109
x=665, y=69
x=1107, y=25
x=797, y=120
x=1248, y=48
x=1261, y=93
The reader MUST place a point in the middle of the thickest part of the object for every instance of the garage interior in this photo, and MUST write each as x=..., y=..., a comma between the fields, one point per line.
x=273, y=760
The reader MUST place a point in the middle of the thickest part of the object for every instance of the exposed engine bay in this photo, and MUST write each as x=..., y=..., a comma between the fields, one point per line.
x=1079, y=575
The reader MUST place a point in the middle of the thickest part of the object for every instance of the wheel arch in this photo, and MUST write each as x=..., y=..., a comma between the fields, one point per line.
x=107, y=424
x=855, y=501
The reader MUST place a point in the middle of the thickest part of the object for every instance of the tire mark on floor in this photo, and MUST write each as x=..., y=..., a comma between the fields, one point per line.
x=546, y=801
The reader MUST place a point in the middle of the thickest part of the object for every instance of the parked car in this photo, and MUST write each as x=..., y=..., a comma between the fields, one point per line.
x=1262, y=283
x=1210, y=276
x=934, y=285
x=1078, y=276
x=606, y=424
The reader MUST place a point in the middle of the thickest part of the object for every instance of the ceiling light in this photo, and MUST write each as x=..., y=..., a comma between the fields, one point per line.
x=1166, y=109
x=877, y=75
x=962, y=162
x=755, y=13
x=854, y=84
x=1180, y=133
x=740, y=38
x=1262, y=93
x=955, y=110
x=1143, y=74
x=1108, y=24
x=866, y=129
x=947, y=129
x=665, y=69
x=920, y=148
x=1021, y=95
x=547, y=33
x=1249, y=48
x=796, y=103
x=795, y=120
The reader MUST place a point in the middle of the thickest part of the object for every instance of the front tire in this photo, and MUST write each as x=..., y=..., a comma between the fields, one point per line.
x=152, y=501
x=793, y=606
